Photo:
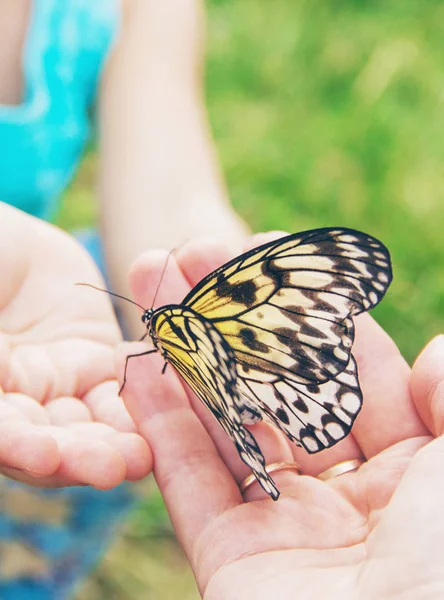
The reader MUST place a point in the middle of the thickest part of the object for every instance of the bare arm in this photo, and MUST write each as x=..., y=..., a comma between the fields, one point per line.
x=160, y=183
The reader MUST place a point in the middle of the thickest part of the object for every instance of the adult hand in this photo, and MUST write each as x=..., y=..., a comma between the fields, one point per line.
x=61, y=420
x=374, y=533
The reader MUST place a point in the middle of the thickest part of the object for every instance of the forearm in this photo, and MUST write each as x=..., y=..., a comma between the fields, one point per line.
x=163, y=185
x=175, y=196
x=160, y=183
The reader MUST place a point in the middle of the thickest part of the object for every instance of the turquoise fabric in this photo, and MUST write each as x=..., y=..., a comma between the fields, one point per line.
x=49, y=539
x=42, y=139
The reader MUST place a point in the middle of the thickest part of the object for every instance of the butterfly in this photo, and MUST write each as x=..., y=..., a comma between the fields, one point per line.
x=269, y=334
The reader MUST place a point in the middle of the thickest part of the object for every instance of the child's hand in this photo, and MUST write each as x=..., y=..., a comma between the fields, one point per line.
x=61, y=420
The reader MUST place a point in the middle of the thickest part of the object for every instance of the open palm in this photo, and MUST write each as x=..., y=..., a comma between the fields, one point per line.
x=375, y=533
x=61, y=420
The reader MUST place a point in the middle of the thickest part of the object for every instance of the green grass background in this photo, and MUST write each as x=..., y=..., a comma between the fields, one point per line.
x=324, y=113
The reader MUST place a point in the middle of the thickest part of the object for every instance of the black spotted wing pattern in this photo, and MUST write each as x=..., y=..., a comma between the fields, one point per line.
x=286, y=306
x=269, y=335
x=206, y=362
x=315, y=416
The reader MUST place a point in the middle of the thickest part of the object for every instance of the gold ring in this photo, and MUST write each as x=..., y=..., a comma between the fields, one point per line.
x=348, y=466
x=271, y=468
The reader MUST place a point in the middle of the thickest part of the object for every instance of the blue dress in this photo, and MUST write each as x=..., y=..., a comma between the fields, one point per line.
x=42, y=139
x=49, y=539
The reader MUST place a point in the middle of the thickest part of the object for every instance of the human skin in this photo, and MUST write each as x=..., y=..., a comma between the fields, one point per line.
x=372, y=534
x=156, y=162
x=159, y=182
x=61, y=420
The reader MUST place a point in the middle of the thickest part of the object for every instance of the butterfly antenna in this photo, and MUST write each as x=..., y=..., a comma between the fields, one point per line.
x=112, y=294
x=162, y=274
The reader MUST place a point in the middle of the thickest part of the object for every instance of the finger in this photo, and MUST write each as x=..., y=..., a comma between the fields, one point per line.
x=86, y=461
x=198, y=258
x=27, y=448
x=427, y=385
x=388, y=414
x=195, y=483
x=66, y=409
x=136, y=453
x=315, y=464
x=88, y=362
x=27, y=406
x=412, y=521
x=167, y=396
x=148, y=269
x=79, y=363
x=259, y=239
x=131, y=446
x=148, y=274
x=105, y=406
x=11, y=413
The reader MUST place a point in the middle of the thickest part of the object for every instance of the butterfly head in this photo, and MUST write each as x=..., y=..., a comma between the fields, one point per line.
x=146, y=316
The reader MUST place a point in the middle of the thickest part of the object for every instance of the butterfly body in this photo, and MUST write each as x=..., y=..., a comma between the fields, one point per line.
x=269, y=335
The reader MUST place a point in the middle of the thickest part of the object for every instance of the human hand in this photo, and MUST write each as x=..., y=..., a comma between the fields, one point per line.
x=61, y=420
x=375, y=533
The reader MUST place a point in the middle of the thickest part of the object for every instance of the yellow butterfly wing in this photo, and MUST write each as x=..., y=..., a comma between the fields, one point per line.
x=285, y=309
x=207, y=363
x=269, y=335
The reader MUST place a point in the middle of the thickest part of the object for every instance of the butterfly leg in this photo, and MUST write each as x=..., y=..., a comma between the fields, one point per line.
x=126, y=365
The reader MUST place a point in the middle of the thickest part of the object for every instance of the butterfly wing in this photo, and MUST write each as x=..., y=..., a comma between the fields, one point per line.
x=206, y=362
x=315, y=416
x=285, y=309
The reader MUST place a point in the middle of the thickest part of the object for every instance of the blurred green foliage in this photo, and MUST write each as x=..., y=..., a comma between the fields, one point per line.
x=331, y=113
x=328, y=113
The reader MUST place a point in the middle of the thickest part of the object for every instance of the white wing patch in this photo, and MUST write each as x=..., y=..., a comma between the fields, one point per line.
x=313, y=416
x=269, y=335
